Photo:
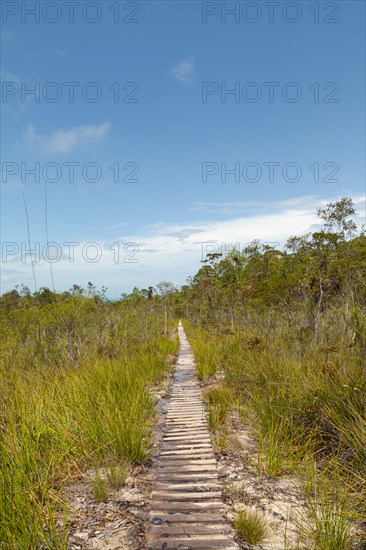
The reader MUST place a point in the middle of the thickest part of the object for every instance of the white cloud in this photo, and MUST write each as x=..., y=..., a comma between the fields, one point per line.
x=65, y=140
x=174, y=251
x=6, y=76
x=7, y=35
x=179, y=246
x=239, y=206
x=14, y=93
x=107, y=227
x=184, y=71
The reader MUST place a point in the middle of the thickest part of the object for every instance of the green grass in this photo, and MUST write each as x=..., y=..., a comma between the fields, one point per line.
x=306, y=401
x=79, y=399
x=326, y=518
x=206, y=356
x=100, y=488
x=219, y=403
x=117, y=473
x=329, y=525
x=251, y=526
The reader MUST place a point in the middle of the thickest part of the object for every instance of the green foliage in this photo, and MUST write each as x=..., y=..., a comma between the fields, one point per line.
x=100, y=488
x=312, y=274
x=285, y=331
x=75, y=378
x=219, y=401
x=336, y=216
x=117, y=473
x=326, y=518
x=251, y=526
x=206, y=355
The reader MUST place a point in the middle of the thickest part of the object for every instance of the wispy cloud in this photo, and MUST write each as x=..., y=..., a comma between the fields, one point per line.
x=7, y=36
x=268, y=221
x=184, y=71
x=56, y=52
x=6, y=76
x=237, y=207
x=107, y=227
x=14, y=93
x=65, y=140
x=174, y=251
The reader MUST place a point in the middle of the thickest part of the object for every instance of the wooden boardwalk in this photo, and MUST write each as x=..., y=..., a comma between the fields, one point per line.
x=187, y=510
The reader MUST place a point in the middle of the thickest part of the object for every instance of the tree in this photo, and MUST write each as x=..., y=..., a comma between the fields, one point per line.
x=45, y=296
x=335, y=216
x=166, y=289
x=10, y=300
x=77, y=290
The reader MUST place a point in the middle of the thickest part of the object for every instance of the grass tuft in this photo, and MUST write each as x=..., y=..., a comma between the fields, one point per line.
x=100, y=488
x=251, y=526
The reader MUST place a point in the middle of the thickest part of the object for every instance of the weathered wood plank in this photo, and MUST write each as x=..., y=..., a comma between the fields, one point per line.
x=191, y=543
x=187, y=506
x=178, y=529
x=196, y=517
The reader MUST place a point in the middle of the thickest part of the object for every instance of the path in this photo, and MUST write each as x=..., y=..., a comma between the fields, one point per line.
x=187, y=511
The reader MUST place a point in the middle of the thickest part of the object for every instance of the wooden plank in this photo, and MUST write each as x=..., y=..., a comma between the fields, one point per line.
x=195, y=458
x=187, y=440
x=191, y=543
x=182, y=450
x=186, y=426
x=177, y=476
x=183, y=460
x=186, y=432
x=191, y=420
x=188, y=486
x=179, y=445
x=187, y=475
x=186, y=406
x=179, y=529
x=185, y=416
x=193, y=417
x=196, y=517
x=186, y=506
x=196, y=454
x=194, y=496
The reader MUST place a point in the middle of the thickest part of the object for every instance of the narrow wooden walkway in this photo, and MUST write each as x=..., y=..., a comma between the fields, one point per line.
x=187, y=510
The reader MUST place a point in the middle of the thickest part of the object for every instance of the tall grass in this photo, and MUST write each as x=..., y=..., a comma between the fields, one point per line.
x=71, y=402
x=307, y=400
x=219, y=402
x=251, y=526
x=207, y=356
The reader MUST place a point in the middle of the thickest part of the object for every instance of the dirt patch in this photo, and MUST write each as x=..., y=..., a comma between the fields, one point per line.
x=115, y=524
x=279, y=500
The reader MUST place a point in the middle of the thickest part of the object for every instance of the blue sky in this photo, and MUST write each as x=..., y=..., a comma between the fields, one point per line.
x=173, y=132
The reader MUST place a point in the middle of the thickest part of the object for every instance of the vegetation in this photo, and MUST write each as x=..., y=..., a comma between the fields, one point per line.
x=280, y=334
x=75, y=377
x=251, y=526
x=285, y=333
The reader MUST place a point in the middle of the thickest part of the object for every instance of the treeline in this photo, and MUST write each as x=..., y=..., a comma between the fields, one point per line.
x=21, y=295
x=315, y=277
x=316, y=273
